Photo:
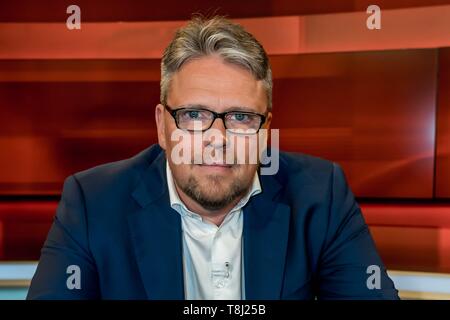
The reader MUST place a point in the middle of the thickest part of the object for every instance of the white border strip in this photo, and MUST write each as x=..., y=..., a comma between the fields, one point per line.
x=421, y=282
x=17, y=271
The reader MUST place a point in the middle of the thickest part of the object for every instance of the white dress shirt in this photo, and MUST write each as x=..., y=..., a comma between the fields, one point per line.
x=212, y=255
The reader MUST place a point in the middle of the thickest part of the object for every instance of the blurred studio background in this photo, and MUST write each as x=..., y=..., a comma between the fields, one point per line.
x=377, y=101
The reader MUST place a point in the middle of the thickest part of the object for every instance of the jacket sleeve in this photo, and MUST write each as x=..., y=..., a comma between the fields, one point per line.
x=350, y=267
x=66, y=269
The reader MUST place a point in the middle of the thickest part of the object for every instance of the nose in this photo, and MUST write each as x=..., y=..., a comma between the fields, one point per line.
x=218, y=131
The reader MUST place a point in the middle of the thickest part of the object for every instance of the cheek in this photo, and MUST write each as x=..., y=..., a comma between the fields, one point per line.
x=246, y=148
x=181, y=173
x=183, y=146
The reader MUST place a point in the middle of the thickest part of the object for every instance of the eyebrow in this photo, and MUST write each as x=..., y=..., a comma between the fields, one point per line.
x=233, y=108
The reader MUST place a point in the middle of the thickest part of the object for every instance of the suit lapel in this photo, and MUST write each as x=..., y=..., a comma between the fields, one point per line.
x=266, y=227
x=156, y=235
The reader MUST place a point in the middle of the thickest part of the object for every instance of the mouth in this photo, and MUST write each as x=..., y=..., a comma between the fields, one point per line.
x=221, y=167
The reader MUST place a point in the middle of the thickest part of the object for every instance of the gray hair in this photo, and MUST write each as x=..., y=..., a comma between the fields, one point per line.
x=217, y=35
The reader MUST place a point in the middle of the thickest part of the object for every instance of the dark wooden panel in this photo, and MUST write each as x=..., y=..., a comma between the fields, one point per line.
x=411, y=236
x=399, y=252
x=443, y=127
x=24, y=225
x=50, y=130
x=280, y=35
x=372, y=112
x=143, y=10
x=84, y=70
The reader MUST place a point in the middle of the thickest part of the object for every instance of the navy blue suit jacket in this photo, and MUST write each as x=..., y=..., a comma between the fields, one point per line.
x=304, y=236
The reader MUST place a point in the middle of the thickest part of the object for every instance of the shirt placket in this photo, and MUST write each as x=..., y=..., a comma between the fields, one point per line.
x=220, y=273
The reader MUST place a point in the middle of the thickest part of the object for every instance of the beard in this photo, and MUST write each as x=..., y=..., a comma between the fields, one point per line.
x=213, y=195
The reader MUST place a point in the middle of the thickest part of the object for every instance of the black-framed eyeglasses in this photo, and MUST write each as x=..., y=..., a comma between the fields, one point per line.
x=199, y=119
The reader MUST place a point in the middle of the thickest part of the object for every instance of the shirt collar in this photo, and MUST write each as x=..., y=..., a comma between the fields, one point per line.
x=180, y=207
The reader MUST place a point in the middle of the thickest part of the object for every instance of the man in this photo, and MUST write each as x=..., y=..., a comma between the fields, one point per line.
x=157, y=227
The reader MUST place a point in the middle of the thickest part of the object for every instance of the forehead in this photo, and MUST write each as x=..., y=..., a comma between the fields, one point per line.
x=217, y=84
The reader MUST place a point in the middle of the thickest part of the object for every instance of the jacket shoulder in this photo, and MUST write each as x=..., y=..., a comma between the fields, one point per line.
x=122, y=174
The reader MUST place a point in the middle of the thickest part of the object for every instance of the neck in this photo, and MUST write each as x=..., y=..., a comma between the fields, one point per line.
x=213, y=216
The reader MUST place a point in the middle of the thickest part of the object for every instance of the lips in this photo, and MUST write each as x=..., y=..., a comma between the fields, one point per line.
x=224, y=165
x=215, y=167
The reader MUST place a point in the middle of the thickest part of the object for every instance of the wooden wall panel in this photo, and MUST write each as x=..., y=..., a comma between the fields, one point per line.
x=400, y=252
x=49, y=130
x=443, y=127
x=144, y=10
x=372, y=112
x=344, y=32
x=23, y=228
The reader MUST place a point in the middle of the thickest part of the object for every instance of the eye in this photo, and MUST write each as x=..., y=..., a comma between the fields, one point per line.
x=193, y=114
x=241, y=117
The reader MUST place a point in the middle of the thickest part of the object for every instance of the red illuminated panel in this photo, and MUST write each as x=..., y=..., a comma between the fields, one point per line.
x=344, y=32
x=411, y=236
x=416, y=215
x=443, y=127
x=51, y=130
x=408, y=236
x=399, y=251
x=371, y=112
x=23, y=228
x=59, y=70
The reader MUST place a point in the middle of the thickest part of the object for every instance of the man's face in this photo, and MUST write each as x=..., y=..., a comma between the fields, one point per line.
x=218, y=86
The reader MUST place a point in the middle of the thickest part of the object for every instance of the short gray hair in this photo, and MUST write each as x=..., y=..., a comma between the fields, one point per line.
x=216, y=35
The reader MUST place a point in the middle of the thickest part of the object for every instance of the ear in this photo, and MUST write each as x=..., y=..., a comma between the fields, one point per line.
x=160, y=125
x=268, y=121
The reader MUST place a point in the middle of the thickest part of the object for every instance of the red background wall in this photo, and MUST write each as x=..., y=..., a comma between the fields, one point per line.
x=383, y=113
